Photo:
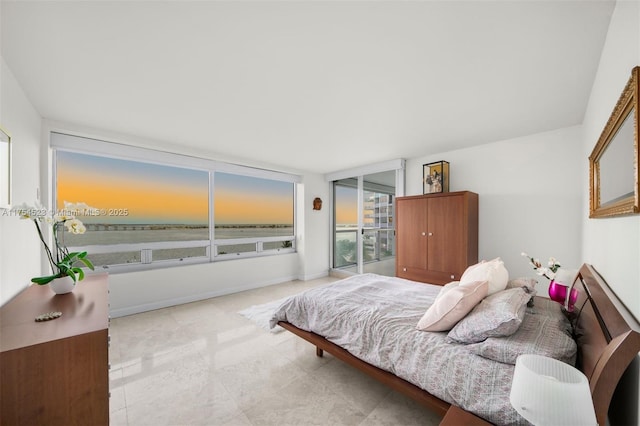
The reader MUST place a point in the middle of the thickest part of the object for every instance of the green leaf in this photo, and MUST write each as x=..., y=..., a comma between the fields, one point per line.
x=80, y=273
x=44, y=280
x=88, y=263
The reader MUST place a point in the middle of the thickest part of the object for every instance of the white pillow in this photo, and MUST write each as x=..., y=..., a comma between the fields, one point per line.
x=492, y=271
x=452, y=307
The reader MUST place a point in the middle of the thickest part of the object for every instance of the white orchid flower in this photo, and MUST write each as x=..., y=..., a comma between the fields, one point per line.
x=547, y=272
x=541, y=271
x=63, y=217
x=34, y=212
x=62, y=262
x=80, y=208
x=75, y=207
x=75, y=226
x=24, y=210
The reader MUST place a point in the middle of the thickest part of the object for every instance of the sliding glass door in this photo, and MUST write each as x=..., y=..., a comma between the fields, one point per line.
x=378, y=227
x=345, y=237
x=364, y=235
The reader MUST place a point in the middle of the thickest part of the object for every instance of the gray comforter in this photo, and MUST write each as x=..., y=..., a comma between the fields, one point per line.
x=374, y=318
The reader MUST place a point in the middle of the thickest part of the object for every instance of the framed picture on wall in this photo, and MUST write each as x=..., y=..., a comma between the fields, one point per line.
x=435, y=177
x=5, y=169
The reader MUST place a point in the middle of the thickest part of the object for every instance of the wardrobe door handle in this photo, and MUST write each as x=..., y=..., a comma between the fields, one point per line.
x=430, y=234
x=424, y=233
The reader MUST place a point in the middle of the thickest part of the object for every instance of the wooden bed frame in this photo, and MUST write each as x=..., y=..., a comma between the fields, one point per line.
x=607, y=334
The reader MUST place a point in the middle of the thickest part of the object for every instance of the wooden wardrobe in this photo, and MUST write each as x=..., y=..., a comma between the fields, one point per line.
x=436, y=236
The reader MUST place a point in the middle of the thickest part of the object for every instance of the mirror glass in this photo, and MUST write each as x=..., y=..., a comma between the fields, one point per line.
x=617, y=165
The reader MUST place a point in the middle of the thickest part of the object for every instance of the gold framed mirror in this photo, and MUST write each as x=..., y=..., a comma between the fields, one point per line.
x=613, y=164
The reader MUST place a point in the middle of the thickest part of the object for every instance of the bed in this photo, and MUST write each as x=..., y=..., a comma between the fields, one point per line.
x=372, y=326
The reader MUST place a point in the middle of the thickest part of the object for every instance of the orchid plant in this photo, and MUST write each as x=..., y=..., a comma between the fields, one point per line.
x=62, y=262
x=548, y=271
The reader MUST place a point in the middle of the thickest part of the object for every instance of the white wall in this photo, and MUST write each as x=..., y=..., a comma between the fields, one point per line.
x=613, y=245
x=529, y=197
x=145, y=290
x=313, y=246
x=20, y=248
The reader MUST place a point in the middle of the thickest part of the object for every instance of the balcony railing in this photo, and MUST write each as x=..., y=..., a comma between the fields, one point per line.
x=378, y=244
x=148, y=255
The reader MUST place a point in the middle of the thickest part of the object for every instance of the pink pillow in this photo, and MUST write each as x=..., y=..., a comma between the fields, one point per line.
x=454, y=305
x=445, y=288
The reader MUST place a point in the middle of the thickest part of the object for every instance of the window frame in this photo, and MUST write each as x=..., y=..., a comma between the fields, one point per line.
x=70, y=142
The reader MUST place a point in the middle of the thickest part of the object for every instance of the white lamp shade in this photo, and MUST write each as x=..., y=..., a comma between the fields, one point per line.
x=548, y=392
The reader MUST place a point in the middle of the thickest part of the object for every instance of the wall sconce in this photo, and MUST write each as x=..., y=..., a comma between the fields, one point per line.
x=548, y=392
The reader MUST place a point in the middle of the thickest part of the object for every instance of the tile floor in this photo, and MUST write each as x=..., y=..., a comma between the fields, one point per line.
x=204, y=364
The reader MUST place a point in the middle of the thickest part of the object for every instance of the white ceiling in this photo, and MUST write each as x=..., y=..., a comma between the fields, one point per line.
x=312, y=86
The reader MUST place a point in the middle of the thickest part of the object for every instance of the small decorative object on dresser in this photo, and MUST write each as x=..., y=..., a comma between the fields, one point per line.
x=435, y=177
x=63, y=263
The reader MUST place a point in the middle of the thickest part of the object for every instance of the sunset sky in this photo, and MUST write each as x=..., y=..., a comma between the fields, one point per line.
x=346, y=205
x=248, y=200
x=153, y=193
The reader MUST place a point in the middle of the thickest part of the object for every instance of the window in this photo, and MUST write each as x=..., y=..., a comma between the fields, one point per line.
x=252, y=214
x=137, y=203
x=160, y=209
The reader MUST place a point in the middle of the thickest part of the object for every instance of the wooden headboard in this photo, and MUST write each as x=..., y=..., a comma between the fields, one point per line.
x=608, y=337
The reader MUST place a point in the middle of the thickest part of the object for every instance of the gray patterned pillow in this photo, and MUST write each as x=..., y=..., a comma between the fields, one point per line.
x=541, y=333
x=522, y=282
x=499, y=314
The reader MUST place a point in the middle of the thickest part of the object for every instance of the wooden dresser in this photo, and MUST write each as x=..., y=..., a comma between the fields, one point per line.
x=436, y=236
x=56, y=372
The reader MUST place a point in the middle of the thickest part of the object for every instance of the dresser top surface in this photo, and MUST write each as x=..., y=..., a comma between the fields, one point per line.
x=84, y=310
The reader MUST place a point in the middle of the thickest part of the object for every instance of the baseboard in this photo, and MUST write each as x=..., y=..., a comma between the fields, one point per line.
x=309, y=277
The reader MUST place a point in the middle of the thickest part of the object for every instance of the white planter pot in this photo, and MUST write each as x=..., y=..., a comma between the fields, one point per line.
x=62, y=285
